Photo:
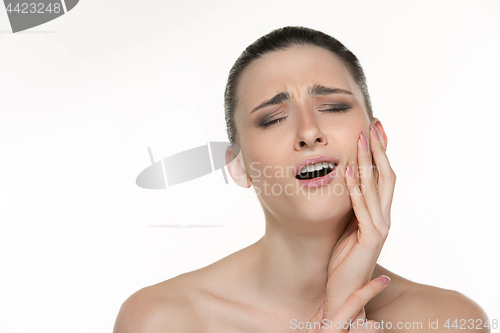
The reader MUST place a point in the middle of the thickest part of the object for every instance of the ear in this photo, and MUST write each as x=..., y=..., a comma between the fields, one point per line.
x=378, y=125
x=236, y=167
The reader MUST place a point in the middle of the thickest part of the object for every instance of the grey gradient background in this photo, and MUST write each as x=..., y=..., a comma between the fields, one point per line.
x=83, y=96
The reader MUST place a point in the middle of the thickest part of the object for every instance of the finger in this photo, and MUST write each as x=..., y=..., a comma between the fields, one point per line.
x=365, y=224
x=356, y=195
x=387, y=177
x=359, y=299
x=316, y=320
x=370, y=186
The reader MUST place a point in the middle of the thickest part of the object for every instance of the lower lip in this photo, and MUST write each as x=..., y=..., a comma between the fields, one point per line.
x=320, y=181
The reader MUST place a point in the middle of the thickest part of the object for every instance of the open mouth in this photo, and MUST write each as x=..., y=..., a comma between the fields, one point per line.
x=315, y=174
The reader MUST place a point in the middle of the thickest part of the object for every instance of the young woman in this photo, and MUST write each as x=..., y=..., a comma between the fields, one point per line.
x=299, y=118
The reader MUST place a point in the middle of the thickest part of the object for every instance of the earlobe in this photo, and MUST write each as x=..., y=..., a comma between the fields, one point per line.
x=236, y=168
x=378, y=125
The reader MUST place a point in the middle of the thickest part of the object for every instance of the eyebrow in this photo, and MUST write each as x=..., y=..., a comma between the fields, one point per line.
x=277, y=99
x=313, y=91
x=322, y=90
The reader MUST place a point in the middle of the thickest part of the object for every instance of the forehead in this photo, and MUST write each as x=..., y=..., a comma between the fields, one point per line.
x=292, y=70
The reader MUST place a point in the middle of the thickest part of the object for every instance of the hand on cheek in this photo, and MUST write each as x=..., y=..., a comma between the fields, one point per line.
x=371, y=187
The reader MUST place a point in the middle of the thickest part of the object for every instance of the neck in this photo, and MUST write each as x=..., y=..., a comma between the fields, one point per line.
x=293, y=259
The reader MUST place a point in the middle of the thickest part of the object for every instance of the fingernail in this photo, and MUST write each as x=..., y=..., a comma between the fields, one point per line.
x=349, y=170
x=384, y=279
x=375, y=131
x=364, y=141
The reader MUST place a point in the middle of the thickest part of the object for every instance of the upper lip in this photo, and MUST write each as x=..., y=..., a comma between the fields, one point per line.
x=314, y=160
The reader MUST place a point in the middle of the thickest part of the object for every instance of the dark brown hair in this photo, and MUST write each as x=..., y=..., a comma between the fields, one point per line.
x=281, y=39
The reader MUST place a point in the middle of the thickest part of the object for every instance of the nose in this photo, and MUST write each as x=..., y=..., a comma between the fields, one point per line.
x=309, y=132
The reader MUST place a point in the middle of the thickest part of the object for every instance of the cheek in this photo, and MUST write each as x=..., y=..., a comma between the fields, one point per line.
x=347, y=139
x=256, y=161
x=265, y=164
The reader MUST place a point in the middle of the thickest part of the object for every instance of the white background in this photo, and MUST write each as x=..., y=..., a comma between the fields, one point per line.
x=83, y=96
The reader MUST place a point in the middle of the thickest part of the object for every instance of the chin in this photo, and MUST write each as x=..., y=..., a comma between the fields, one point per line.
x=327, y=209
x=318, y=204
x=322, y=209
x=331, y=201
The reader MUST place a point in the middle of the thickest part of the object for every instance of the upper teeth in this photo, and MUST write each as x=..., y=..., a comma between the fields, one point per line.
x=317, y=166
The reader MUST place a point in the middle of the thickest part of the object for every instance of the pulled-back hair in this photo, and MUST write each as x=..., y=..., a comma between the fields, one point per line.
x=281, y=39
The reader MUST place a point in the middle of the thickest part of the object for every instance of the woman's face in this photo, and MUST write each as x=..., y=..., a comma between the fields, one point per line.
x=299, y=85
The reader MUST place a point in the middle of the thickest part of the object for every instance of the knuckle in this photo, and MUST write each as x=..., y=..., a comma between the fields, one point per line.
x=374, y=187
x=384, y=233
x=393, y=176
x=354, y=300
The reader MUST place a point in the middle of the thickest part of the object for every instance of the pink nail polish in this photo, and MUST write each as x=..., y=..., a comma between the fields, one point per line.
x=375, y=131
x=364, y=141
x=384, y=279
x=349, y=170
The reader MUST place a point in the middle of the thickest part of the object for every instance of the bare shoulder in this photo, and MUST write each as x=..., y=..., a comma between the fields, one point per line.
x=168, y=306
x=190, y=302
x=413, y=303
x=449, y=308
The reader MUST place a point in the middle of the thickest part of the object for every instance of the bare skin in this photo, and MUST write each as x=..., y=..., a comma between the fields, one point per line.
x=205, y=301
x=318, y=246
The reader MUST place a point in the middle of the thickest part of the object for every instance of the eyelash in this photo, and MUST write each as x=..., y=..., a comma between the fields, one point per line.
x=275, y=121
x=335, y=108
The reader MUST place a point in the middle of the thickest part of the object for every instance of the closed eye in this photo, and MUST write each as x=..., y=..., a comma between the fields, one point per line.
x=337, y=108
x=333, y=108
x=269, y=123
